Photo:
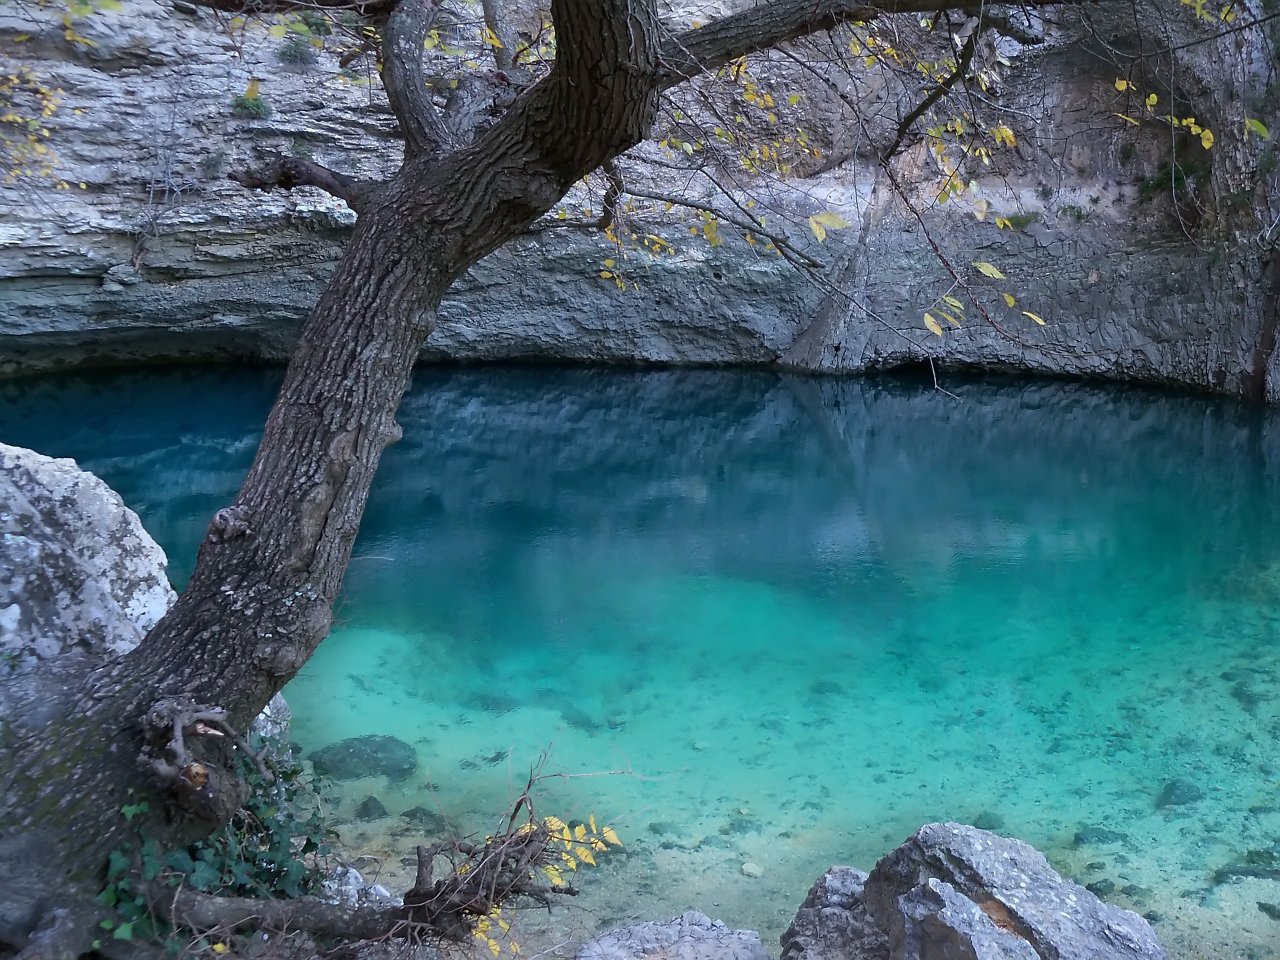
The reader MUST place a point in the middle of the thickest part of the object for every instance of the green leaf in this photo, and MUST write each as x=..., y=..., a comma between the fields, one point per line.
x=1256, y=126
x=277, y=32
x=1009, y=300
x=988, y=270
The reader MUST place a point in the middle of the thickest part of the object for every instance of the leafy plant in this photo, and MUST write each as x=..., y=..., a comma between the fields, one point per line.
x=251, y=107
x=273, y=847
x=297, y=52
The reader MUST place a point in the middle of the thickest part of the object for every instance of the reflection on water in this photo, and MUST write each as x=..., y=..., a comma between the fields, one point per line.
x=802, y=615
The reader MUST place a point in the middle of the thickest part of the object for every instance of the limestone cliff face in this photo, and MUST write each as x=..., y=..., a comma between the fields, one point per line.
x=159, y=256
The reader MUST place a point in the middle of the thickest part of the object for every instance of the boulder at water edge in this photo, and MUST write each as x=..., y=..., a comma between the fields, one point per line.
x=80, y=572
x=78, y=576
x=953, y=892
x=690, y=936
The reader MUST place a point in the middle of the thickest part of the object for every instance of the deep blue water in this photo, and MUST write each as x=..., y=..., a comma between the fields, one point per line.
x=802, y=616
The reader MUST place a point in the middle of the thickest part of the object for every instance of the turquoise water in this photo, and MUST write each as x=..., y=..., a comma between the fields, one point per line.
x=780, y=622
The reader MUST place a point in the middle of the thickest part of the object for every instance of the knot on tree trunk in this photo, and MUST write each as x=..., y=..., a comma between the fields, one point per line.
x=186, y=745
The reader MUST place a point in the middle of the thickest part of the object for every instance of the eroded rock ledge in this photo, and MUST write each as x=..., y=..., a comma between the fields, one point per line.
x=160, y=257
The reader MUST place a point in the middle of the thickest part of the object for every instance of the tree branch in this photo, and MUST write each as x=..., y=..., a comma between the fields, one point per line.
x=937, y=93
x=772, y=22
x=502, y=53
x=364, y=8
x=204, y=911
x=405, y=80
x=289, y=172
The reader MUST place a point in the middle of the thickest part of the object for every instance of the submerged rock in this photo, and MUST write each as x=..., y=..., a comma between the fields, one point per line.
x=428, y=820
x=1178, y=792
x=690, y=936
x=367, y=756
x=371, y=808
x=1088, y=836
x=953, y=892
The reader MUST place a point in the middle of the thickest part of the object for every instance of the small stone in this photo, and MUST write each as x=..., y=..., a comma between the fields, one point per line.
x=1101, y=888
x=370, y=808
x=987, y=820
x=1178, y=792
x=429, y=820
x=1272, y=910
x=1088, y=836
x=751, y=869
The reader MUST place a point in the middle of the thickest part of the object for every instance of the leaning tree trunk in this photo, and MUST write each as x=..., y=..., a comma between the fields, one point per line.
x=270, y=567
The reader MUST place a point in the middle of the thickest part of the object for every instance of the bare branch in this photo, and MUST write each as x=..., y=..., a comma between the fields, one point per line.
x=937, y=93
x=405, y=80
x=203, y=911
x=364, y=8
x=502, y=53
x=289, y=172
x=711, y=46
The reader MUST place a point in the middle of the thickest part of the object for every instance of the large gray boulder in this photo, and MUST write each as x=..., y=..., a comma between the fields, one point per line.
x=79, y=577
x=833, y=921
x=80, y=572
x=953, y=892
x=690, y=936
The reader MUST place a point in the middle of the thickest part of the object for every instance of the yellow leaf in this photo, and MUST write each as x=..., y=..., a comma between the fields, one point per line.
x=953, y=303
x=1004, y=223
x=585, y=855
x=1009, y=301
x=819, y=223
x=609, y=262
x=932, y=324
x=580, y=832
x=611, y=837
x=493, y=946
x=278, y=31
x=591, y=823
x=1128, y=119
x=1004, y=136
x=553, y=874
x=1034, y=317
x=251, y=91
x=949, y=318
x=988, y=270
x=1206, y=139
x=1151, y=100
x=219, y=948
x=569, y=862
x=491, y=38
x=1122, y=84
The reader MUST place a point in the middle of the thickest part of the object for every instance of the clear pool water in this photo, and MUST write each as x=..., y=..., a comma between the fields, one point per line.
x=780, y=621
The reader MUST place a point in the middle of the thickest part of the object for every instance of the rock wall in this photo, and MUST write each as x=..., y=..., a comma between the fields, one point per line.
x=159, y=257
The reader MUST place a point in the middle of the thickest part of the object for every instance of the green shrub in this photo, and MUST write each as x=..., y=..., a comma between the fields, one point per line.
x=297, y=52
x=250, y=108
